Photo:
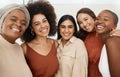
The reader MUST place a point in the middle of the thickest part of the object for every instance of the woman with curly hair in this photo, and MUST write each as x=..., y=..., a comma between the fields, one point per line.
x=40, y=51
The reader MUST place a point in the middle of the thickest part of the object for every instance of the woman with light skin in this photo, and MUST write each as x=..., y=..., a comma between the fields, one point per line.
x=40, y=50
x=71, y=52
x=14, y=20
x=93, y=42
x=109, y=62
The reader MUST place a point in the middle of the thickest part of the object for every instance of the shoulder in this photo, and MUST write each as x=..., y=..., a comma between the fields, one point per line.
x=78, y=41
x=54, y=41
x=24, y=47
x=113, y=40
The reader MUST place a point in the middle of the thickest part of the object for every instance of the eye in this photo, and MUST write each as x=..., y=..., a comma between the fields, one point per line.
x=13, y=19
x=35, y=23
x=79, y=22
x=62, y=26
x=70, y=26
x=23, y=23
x=45, y=20
x=85, y=19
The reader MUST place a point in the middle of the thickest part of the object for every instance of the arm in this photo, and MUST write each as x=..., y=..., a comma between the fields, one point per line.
x=113, y=52
x=115, y=32
x=81, y=63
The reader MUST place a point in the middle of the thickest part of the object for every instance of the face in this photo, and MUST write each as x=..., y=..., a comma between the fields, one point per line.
x=40, y=25
x=104, y=22
x=66, y=29
x=14, y=25
x=86, y=22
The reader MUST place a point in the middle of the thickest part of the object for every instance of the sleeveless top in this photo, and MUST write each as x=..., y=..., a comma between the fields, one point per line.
x=40, y=65
x=94, y=46
x=103, y=64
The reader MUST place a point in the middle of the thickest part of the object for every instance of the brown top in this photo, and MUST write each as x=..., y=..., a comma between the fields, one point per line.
x=94, y=46
x=40, y=65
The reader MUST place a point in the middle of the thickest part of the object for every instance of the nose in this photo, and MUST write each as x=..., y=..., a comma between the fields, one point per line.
x=84, y=23
x=98, y=22
x=66, y=29
x=18, y=23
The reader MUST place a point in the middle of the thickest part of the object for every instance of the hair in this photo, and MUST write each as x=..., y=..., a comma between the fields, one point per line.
x=115, y=17
x=40, y=7
x=83, y=33
x=62, y=19
x=8, y=8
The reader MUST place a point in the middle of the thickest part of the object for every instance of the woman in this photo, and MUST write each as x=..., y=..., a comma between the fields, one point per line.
x=93, y=42
x=109, y=62
x=72, y=53
x=40, y=51
x=14, y=20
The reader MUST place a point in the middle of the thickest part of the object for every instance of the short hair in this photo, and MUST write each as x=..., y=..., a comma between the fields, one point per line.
x=83, y=33
x=115, y=17
x=40, y=7
x=62, y=19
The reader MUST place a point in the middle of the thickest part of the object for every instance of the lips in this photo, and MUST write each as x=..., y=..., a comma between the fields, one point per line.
x=16, y=29
x=44, y=30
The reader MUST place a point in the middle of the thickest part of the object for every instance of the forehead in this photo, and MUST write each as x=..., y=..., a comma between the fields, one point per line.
x=18, y=13
x=83, y=15
x=68, y=21
x=106, y=14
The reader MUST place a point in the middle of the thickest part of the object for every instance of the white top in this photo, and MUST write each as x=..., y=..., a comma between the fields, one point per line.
x=103, y=64
x=73, y=59
x=12, y=60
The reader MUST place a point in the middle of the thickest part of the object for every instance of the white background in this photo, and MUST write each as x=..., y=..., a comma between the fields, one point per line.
x=72, y=6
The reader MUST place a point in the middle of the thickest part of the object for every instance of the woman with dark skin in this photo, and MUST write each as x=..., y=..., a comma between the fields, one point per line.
x=94, y=43
x=40, y=50
x=14, y=20
x=107, y=21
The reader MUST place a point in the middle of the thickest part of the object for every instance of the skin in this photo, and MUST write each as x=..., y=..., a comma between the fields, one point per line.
x=14, y=25
x=66, y=30
x=41, y=44
x=40, y=25
x=86, y=22
x=105, y=23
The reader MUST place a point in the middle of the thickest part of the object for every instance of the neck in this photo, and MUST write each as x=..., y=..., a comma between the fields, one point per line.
x=64, y=41
x=9, y=39
x=105, y=36
x=40, y=40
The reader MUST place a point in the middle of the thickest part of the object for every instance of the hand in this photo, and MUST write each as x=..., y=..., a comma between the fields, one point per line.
x=115, y=32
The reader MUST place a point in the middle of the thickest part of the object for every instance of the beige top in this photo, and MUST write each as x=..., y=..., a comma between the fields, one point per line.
x=73, y=59
x=12, y=60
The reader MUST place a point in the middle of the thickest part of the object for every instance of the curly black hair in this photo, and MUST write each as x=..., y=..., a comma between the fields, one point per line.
x=40, y=7
x=83, y=33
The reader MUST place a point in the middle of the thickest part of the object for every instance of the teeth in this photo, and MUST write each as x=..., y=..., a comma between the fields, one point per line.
x=44, y=30
x=99, y=27
x=15, y=29
x=66, y=34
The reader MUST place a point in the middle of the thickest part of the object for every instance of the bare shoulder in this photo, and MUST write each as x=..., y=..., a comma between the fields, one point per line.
x=53, y=40
x=24, y=47
x=113, y=40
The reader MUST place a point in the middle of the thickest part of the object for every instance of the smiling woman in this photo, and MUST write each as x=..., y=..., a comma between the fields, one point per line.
x=14, y=20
